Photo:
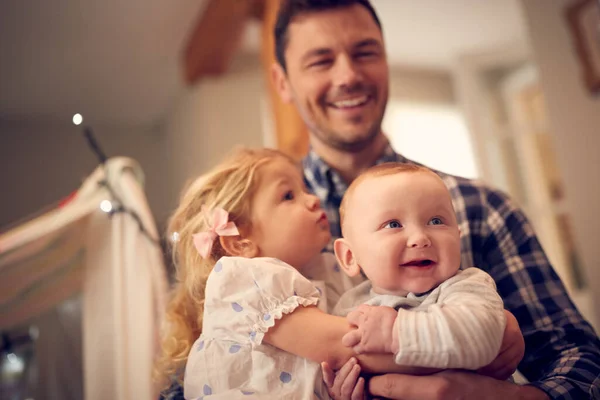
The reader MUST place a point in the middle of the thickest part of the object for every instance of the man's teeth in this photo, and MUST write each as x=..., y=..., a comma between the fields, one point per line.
x=359, y=101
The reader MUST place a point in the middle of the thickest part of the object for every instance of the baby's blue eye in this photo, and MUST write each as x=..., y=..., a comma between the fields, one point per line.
x=436, y=221
x=393, y=225
x=288, y=195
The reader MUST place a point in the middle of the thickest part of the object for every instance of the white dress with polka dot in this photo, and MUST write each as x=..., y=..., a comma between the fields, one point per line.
x=244, y=298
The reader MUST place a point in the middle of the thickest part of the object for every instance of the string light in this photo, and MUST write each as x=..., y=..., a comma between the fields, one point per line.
x=106, y=206
x=77, y=119
x=12, y=358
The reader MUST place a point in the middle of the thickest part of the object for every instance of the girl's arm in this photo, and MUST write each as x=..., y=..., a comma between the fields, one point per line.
x=310, y=333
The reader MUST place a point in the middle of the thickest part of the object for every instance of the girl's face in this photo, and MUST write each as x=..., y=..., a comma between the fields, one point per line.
x=287, y=221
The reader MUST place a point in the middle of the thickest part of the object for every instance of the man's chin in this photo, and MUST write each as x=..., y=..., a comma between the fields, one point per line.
x=353, y=142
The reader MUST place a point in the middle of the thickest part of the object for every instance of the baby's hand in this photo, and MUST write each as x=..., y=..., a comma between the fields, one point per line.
x=374, y=332
x=345, y=384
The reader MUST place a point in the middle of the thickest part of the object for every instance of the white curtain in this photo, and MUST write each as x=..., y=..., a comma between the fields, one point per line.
x=116, y=268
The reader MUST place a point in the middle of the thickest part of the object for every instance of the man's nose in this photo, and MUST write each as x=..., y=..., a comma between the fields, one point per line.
x=345, y=72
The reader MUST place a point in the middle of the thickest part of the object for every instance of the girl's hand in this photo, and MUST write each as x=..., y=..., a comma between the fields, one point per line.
x=345, y=384
x=374, y=330
x=511, y=351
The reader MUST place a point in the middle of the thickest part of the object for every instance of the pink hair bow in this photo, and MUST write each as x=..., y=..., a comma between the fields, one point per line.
x=218, y=226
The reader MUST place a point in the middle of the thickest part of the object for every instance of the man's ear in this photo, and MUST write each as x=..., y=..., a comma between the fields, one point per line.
x=237, y=247
x=280, y=82
x=345, y=257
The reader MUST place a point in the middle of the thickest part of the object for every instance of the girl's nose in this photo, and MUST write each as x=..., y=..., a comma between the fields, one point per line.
x=313, y=202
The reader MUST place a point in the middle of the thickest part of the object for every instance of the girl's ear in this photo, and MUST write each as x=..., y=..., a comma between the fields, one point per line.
x=237, y=247
x=345, y=257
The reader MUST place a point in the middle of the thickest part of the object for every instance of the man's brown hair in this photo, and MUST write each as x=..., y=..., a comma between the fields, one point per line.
x=290, y=9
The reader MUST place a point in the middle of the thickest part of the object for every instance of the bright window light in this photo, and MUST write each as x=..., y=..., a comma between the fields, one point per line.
x=433, y=135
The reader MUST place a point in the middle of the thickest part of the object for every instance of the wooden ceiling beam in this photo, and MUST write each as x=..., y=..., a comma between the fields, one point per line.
x=216, y=36
x=290, y=130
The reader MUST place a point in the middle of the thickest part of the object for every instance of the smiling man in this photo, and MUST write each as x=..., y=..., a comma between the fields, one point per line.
x=332, y=66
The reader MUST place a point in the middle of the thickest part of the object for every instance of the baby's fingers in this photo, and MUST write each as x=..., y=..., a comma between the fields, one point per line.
x=351, y=338
x=328, y=375
x=357, y=316
x=359, y=390
x=349, y=382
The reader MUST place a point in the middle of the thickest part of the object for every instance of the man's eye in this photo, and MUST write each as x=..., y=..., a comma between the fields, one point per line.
x=436, y=221
x=320, y=63
x=289, y=195
x=393, y=225
x=365, y=54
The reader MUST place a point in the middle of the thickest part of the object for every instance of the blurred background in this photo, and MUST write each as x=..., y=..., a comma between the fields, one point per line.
x=506, y=91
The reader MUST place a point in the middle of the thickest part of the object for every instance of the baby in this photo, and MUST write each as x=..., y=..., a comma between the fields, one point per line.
x=401, y=231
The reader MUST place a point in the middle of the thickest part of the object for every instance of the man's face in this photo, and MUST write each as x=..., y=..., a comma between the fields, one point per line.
x=337, y=76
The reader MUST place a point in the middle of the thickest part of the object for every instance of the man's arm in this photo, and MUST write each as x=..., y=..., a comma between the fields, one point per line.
x=450, y=385
x=562, y=352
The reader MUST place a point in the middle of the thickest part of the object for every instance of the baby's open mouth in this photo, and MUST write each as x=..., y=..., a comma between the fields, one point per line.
x=418, y=263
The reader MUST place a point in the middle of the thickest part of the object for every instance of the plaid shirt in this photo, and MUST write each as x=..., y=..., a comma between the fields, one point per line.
x=562, y=352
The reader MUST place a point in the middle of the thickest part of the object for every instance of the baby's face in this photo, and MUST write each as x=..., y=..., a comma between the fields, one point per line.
x=403, y=232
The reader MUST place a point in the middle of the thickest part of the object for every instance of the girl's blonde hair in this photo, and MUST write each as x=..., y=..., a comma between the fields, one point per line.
x=231, y=186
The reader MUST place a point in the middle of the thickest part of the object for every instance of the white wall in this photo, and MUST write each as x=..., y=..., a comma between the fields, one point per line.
x=575, y=124
x=41, y=162
x=212, y=118
x=425, y=124
x=421, y=86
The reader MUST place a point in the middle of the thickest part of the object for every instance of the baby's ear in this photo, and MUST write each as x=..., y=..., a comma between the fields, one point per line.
x=345, y=257
x=237, y=247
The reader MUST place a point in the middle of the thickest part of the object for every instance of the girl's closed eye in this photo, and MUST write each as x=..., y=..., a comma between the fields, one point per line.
x=436, y=221
x=394, y=224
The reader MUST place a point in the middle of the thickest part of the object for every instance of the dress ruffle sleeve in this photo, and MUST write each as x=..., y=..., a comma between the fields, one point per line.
x=245, y=297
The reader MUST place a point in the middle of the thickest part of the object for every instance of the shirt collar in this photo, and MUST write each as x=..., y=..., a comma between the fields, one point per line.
x=325, y=182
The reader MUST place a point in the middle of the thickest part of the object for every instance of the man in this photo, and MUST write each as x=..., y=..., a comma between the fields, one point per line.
x=332, y=66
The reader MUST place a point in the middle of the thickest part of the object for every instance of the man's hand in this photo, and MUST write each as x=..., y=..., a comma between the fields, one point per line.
x=511, y=351
x=345, y=384
x=451, y=385
x=374, y=330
